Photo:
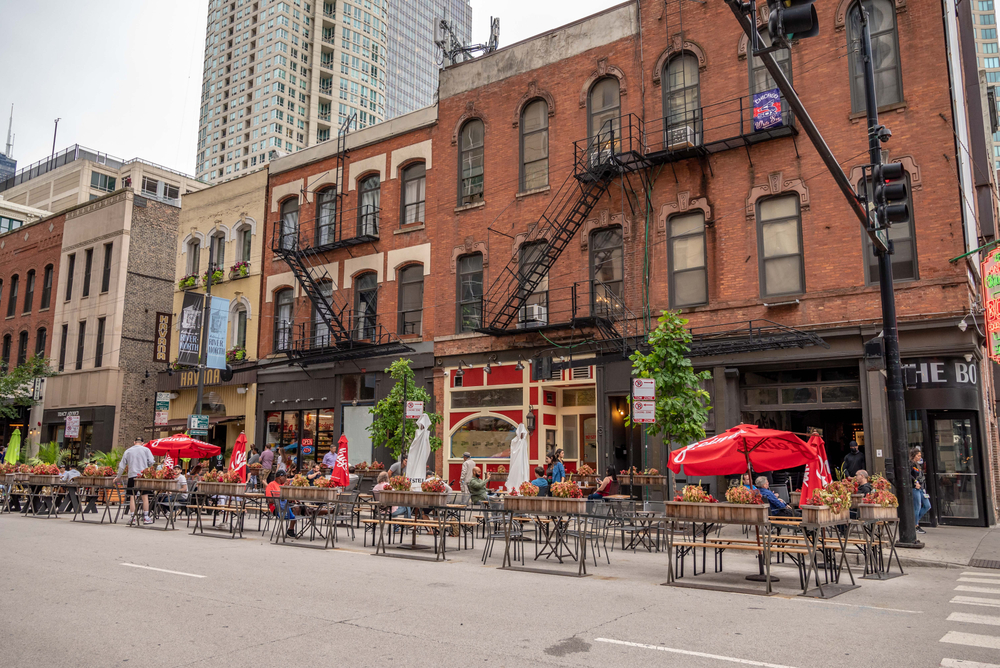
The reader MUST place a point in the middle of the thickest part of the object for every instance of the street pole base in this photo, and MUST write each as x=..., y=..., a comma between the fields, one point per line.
x=756, y=577
x=915, y=545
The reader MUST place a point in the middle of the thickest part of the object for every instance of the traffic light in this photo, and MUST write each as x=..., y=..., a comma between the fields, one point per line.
x=791, y=19
x=889, y=186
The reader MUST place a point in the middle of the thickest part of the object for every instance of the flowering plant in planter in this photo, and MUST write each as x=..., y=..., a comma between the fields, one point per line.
x=585, y=470
x=299, y=481
x=23, y=468
x=188, y=282
x=45, y=469
x=880, y=483
x=527, y=489
x=651, y=472
x=835, y=495
x=94, y=471
x=236, y=354
x=239, y=270
x=434, y=485
x=256, y=466
x=148, y=473
x=850, y=483
x=325, y=483
x=6, y=468
x=217, y=276
x=376, y=466
x=501, y=469
x=745, y=495
x=222, y=476
x=363, y=466
x=399, y=483
x=567, y=490
x=881, y=497
x=167, y=474
x=695, y=494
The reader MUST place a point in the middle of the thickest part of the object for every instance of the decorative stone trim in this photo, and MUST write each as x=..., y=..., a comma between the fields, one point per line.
x=909, y=166
x=534, y=93
x=100, y=204
x=683, y=204
x=468, y=207
x=741, y=46
x=840, y=18
x=604, y=219
x=470, y=113
x=603, y=70
x=282, y=192
x=776, y=184
x=521, y=239
x=677, y=47
x=467, y=248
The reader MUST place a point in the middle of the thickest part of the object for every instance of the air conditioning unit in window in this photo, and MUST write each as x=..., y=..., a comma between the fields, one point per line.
x=681, y=137
x=533, y=315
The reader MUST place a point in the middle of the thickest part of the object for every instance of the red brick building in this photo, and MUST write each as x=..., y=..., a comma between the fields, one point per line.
x=621, y=148
x=29, y=257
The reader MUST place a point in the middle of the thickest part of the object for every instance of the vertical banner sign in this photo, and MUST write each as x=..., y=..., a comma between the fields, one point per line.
x=767, y=110
x=162, y=414
x=162, y=351
x=414, y=409
x=644, y=400
x=991, y=302
x=189, y=339
x=72, y=426
x=215, y=347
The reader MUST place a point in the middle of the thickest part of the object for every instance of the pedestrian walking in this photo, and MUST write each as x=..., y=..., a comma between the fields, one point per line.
x=854, y=461
x=135, y=459
x=468, y=464
x=267, y=464
x=921, y=502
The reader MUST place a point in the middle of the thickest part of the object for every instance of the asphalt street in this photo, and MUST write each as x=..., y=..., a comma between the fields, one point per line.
x=88, y=595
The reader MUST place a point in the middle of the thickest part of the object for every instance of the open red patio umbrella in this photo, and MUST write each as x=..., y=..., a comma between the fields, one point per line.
x=183, y=446
x=743, y=447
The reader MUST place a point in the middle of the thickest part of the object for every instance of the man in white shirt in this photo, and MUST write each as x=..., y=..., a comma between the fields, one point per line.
x=135, y=459
x=468, y=465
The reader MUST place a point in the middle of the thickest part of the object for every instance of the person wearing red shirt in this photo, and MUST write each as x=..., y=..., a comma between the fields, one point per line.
x=274, y=490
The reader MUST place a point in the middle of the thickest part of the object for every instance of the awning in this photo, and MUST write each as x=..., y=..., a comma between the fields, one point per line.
x=180, y=424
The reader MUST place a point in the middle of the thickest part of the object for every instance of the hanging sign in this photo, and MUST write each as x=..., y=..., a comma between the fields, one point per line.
x=643, y=388
x=72, y=426
x=767, y=109
x=198, y=425
x=162, y=348
x=215, y=347
x=414, y=409
x=189, y=339
x=991, y=302
x=644, y=411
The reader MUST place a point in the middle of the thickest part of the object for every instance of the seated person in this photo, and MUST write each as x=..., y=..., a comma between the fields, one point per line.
x=315, y=473
x=382, y=482
x=540, y=482
x=477, y=486
x=607, y=487
x=745, y=481
x=181, y=496
x=353, y=479
x=864, y=482
x=778, y=507
x=274, y=490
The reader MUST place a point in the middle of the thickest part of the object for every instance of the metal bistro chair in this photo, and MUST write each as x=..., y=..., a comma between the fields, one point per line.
x=600, y=513
x=494, y=521
x=345, y=514
x=659, y=510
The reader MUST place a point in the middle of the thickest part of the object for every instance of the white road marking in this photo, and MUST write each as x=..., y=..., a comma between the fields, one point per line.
x=972, y=600
x=703, y=655
x=980, y=590
x=972, y=639
x=855, y=605
x=973, y=619
x=958, y=663
x=980, y=580
x=992, y=575
x=163, y=570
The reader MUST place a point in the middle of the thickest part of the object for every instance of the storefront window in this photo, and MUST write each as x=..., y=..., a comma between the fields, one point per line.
x=914, y=430
x=483, y=437
x=273, y=434
x=583, y=397
x=358, y=387
x=513, y=396
x=324, y=433
x=570, y=436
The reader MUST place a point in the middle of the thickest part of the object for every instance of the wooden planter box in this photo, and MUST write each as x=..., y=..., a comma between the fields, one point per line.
x=154, y=485
x=368, y=473
x=44, y=480
x=728, y=513
x=389, y=497
x=642, y=479
x=94, y=481
x=309, y=493
x=18, y=477
x=824, y=515
x=794, y=498
x=870, y=511
x=856, y=500
x=588, y=479
x=221, y=488
x=544, y=504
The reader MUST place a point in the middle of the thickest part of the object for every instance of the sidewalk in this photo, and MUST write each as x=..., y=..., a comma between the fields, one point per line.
x=954, y=546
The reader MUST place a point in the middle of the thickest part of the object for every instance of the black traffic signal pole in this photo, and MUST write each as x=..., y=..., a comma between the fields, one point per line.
x=894, y=379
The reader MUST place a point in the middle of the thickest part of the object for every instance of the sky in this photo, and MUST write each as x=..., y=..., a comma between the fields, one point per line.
x=124, y=76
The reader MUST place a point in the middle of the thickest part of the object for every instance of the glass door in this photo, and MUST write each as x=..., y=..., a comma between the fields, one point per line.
x=956, y=484
x=588, y=440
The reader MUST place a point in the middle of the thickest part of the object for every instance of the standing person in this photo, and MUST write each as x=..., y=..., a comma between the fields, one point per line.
x=267, y=463
x=854, y=461
x=921, y=502
x=558, y=469
x=254, y=455
x=549, y=458
x=330, y=459
x=467, y=465
x=135, y=459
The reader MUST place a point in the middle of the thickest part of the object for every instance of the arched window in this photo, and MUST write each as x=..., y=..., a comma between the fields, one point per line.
x=283, y=320
x=5, y=356
x=217, y=252
x=483, y=437
x=686, y=259
x=411, y=299
x=290, y=223
x=885, y=54
x=779, y=245
x=470, y=292
x=682, y=103
x=240, y=327
x=470, y=163
x=12, y=296
x=22, y=348
x=760, y=79
x=244, y=242
x=369, y=196
x=606, y=270
x=414, y=188
x=46, y=286
x=535, y=311
x=193, y=257
x=320, y=330
x=535, y=146
x=604, y=109
x=326, y=216
x=41, y=339
x=29, y=290
x=365, y=305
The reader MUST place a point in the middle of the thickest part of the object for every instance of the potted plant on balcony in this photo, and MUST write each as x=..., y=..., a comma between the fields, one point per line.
x=188, y=282
x=239, y=270
x=217, y=276
x=236, y=354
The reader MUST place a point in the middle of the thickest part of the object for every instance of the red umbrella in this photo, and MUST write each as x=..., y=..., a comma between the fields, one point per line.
x=182, y=446
x=743, y=447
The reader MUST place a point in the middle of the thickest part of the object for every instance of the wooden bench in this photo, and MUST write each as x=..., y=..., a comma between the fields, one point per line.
x=720, y=545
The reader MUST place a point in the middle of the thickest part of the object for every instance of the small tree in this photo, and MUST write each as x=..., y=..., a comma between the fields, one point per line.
x=385, y=427
x=681, y=404
x=17, y=385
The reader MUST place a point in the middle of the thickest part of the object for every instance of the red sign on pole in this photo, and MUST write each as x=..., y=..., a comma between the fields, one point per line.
x=991, y=302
